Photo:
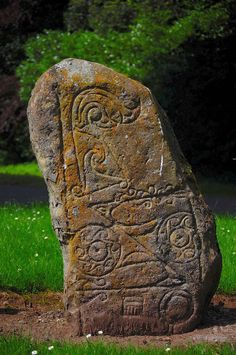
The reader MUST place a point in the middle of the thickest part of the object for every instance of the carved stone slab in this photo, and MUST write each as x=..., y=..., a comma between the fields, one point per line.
x=138, y=241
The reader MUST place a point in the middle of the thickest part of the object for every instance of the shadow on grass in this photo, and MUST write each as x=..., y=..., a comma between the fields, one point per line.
x=22, y=180
x=208, y=186
x=217, y=186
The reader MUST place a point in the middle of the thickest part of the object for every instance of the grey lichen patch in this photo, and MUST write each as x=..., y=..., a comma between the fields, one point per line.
x=77, y=67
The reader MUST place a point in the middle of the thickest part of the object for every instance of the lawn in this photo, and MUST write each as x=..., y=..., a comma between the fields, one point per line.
x=23, y=346
x=226, y=235
x=30, y=257
x=20, y=169
x=31, y=261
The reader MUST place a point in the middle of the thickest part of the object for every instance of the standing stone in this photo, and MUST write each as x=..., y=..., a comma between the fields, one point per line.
x=138, y=241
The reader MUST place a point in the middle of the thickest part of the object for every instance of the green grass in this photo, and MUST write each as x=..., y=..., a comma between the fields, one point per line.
x=20, y=169
x=23, y=346
x=30, y=257
x=226, y=233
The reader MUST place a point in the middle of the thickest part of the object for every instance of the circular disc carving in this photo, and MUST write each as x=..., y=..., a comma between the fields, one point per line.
x=176, y=306
x=97, y=250
x=176, y=238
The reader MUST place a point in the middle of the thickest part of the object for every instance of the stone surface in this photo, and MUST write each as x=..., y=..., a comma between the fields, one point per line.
x=138, y=242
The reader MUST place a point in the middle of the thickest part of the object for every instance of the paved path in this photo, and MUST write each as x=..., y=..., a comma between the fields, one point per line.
x=23, y=194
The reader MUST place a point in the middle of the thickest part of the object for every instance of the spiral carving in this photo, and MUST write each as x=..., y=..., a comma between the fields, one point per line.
x=101, y=108
x=95, y=158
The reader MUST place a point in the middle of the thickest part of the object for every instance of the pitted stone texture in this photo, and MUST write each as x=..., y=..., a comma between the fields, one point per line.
x=138, y=242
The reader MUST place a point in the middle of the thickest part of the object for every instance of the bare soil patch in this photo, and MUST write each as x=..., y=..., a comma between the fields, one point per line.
x=40, y=316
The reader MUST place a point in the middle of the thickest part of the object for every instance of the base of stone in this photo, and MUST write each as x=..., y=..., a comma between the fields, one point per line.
x=135, y=312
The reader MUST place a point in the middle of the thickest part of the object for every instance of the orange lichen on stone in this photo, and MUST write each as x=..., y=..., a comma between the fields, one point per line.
x=138, y=242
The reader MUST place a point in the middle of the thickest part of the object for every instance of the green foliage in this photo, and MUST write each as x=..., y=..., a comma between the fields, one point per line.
x=26, y=237
x=76, y=15
x=183, y=50
x=22, y=346
x=152, y=39
x=117, y=15
x=99, y=16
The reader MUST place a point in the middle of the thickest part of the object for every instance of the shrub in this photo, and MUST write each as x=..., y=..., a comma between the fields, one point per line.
x=181, y=52
x=150, y=41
